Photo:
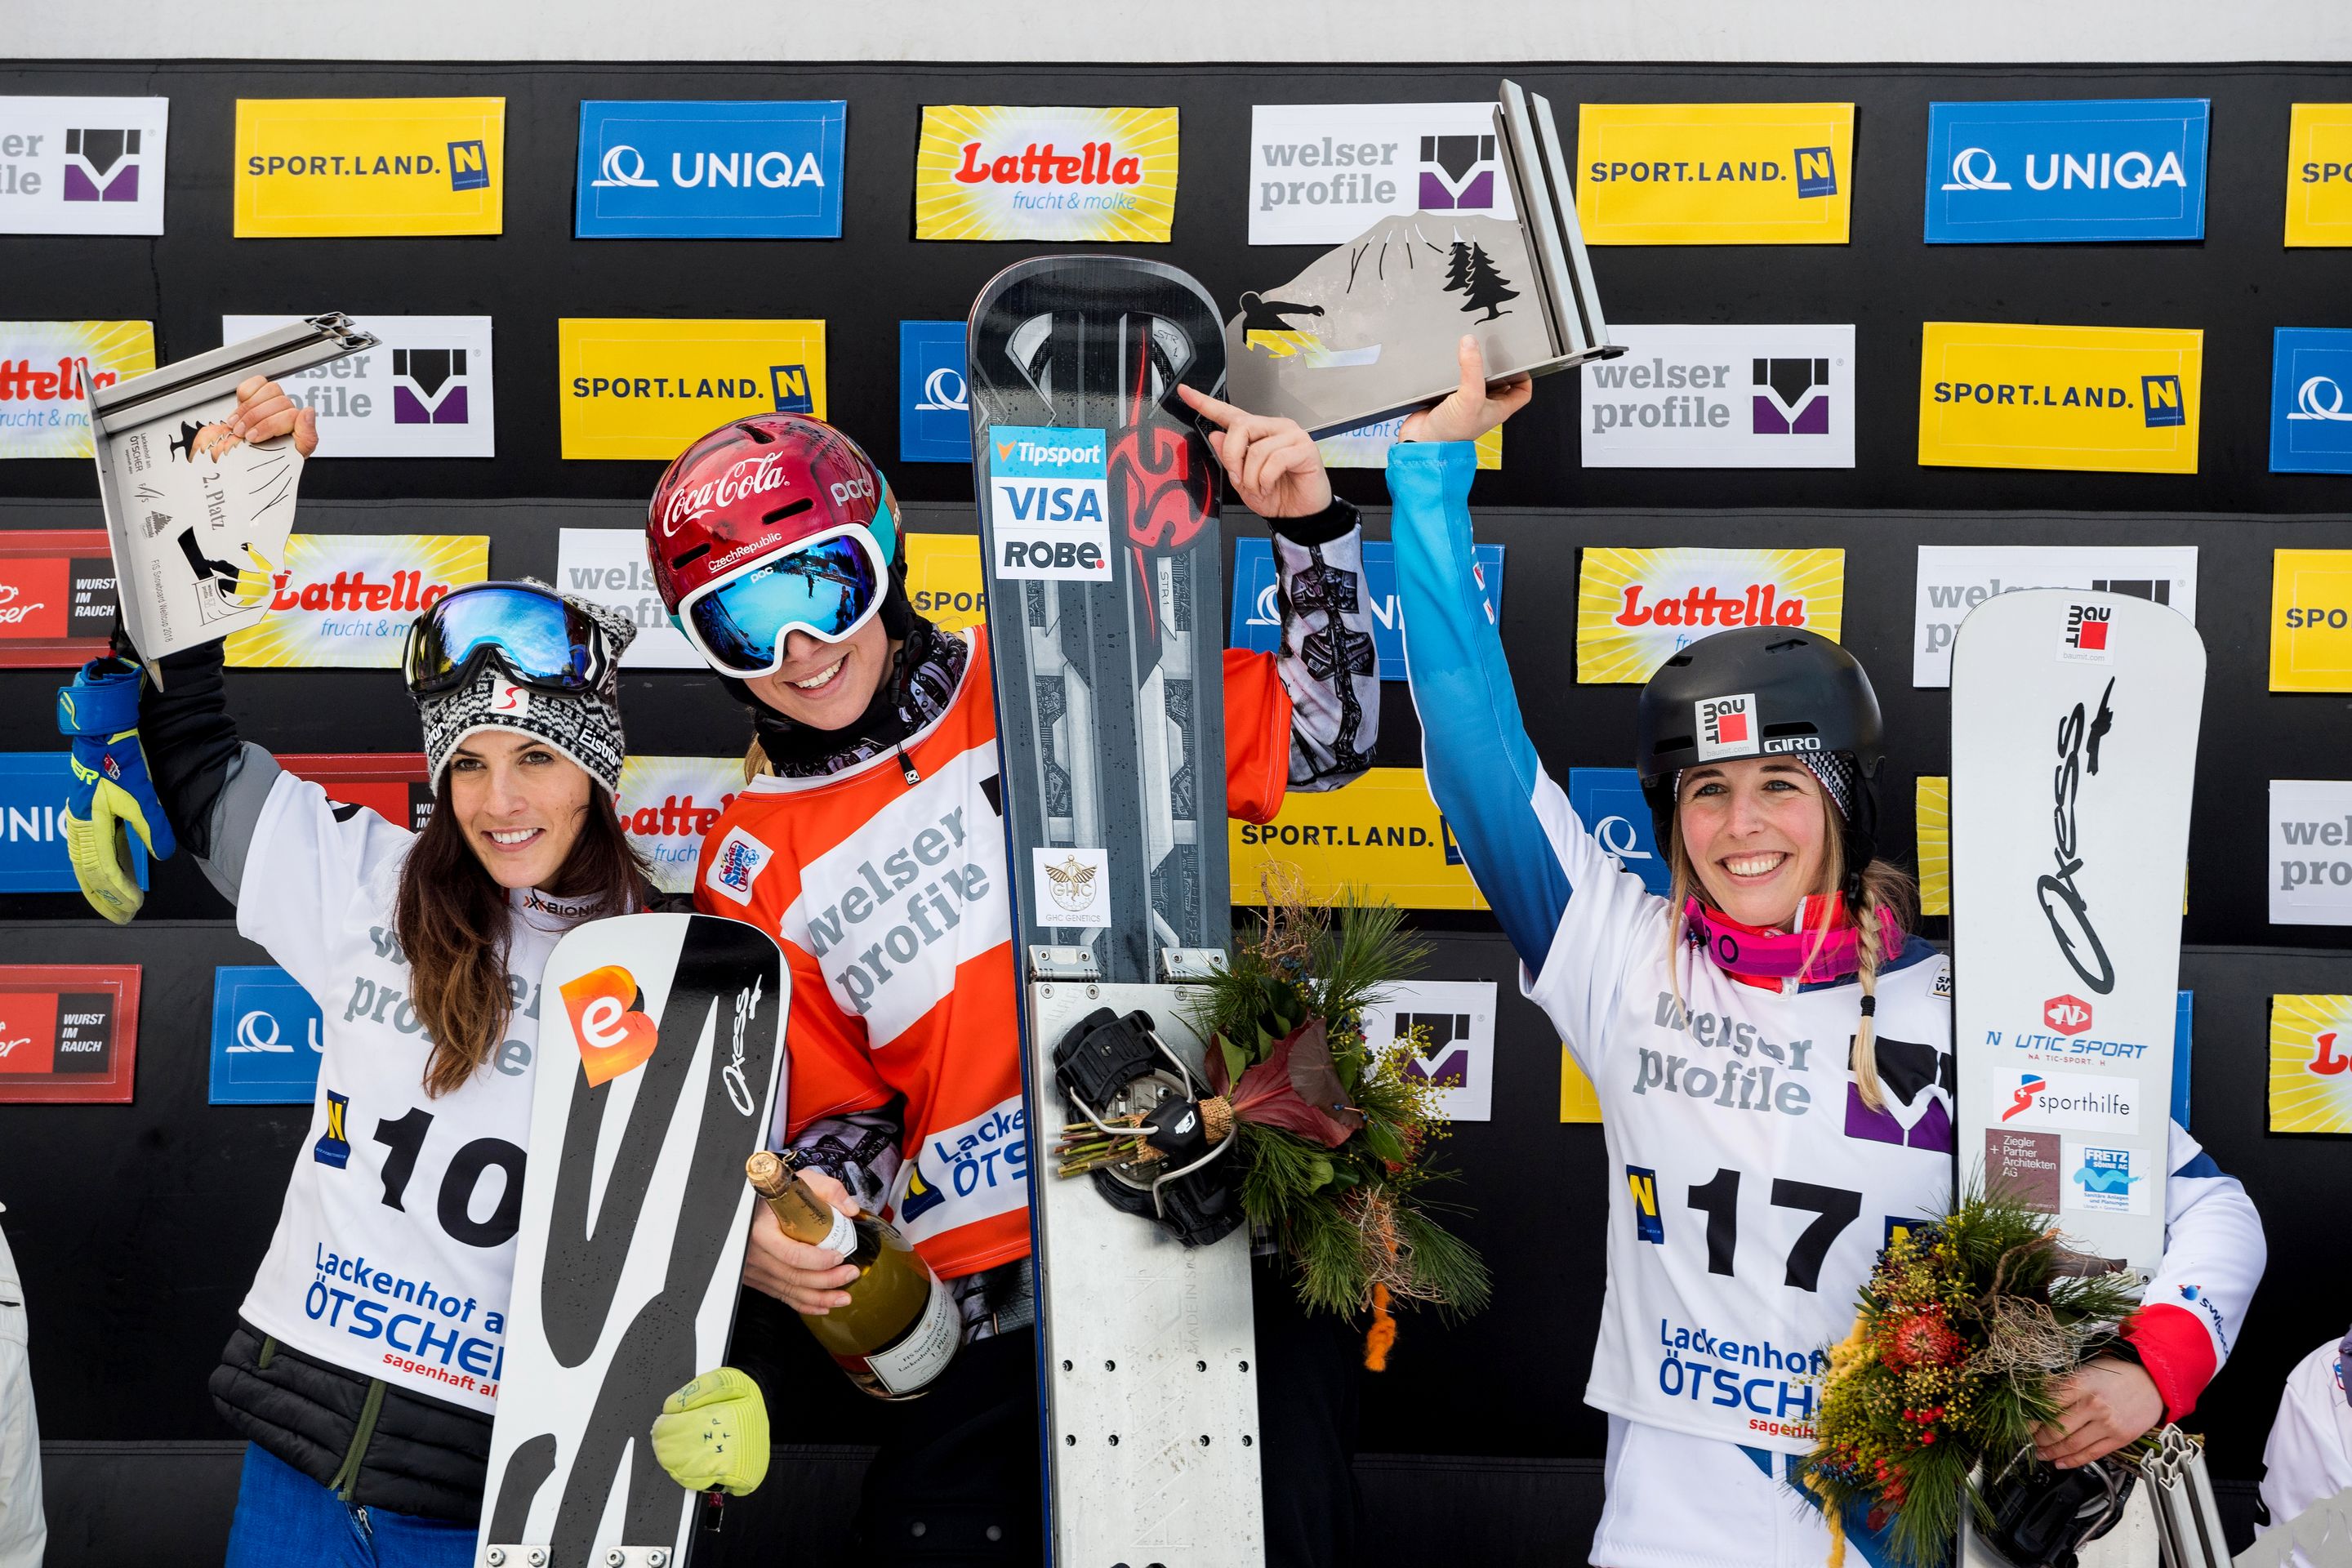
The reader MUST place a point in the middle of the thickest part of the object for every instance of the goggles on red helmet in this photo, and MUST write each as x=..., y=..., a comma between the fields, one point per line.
x=538, y=639
x=828, y=586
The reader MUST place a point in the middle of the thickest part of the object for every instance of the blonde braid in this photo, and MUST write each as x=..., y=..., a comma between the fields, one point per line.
x=1868, y=953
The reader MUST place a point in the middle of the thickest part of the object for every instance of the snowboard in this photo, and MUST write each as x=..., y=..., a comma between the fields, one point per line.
x=2074, y=719
x=1099, y=527
x=661, y=1046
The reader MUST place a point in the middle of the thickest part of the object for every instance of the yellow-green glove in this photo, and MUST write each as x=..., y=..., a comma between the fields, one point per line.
x=112, y=796
x=713, y=1434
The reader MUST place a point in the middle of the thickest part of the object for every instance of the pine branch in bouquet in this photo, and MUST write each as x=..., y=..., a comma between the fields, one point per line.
x=1965, y=1330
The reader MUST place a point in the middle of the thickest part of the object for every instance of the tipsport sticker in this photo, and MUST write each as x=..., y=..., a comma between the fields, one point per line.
x=1049, y=501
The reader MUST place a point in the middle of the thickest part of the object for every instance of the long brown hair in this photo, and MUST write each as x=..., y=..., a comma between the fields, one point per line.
x=455, y=923
x=1884, y=886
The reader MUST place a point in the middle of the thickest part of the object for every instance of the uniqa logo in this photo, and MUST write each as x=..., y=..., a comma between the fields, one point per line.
x=749, y=477
x=625, y=166
x=1975, y=169
x=2308, y=404
x=944, y=391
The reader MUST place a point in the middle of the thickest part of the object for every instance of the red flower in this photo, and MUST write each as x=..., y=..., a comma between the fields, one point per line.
x=1295, y=1089
x=1923, y=1339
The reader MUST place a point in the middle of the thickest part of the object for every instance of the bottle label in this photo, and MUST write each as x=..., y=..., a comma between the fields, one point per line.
x=843, y=1237
x=926, y=1349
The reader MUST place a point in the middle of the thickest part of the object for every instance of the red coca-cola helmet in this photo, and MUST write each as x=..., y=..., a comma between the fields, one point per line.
x=754, y=488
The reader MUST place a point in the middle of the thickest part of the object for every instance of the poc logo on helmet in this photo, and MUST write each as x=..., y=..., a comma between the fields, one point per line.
x=846, y=491
x=1728, y=727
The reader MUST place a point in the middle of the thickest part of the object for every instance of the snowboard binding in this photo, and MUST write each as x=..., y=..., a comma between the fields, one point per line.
x=1121, y=1080
x=2042, y=1516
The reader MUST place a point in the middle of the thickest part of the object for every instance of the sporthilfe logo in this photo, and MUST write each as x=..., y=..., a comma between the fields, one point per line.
x=2067, y=1014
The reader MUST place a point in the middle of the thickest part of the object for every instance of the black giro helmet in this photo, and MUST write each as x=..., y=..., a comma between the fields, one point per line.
x=1755, y=691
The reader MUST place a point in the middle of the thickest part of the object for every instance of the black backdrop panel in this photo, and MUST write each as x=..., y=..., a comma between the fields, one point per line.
x=138, y=1227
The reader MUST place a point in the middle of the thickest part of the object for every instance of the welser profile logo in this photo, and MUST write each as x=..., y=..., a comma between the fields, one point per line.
x=429, y=386
x=1792, y=396
x=1726, y=727
x=101, y=165
x=2067, y=1014
x=1458, y=174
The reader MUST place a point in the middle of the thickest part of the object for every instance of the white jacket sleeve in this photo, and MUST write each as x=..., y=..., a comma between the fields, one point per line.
x=2214, y=1256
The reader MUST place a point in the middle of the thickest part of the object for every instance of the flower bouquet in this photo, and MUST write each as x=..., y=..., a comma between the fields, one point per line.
x=1965, y=1330
x=1333, y=1136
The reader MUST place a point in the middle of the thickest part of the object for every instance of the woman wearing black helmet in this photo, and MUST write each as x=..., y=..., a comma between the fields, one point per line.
x=1770, y=1045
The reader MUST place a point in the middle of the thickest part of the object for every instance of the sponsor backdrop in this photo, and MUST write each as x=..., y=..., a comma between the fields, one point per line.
x=934, y=412
x=988, y=172
x=1634, y=607
x=41, y=380
x=1448, y=1028
x=2017, y=396
x=425, y=391
x=2311, y=620
x=1952, y=579
x=82, y=165
x=2311, y=1072
x=202, y=1191
x=2319, y=174
x=265, y=1045
x=68, y=1032
x=321, y=167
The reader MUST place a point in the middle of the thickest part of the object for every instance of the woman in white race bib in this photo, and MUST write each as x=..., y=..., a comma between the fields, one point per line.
x=369, y=1349
x=1770, y=1045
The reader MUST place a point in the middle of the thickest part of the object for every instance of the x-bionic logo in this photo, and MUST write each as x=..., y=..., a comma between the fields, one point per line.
x=1792, y=397
x=429, y=386
x=101, y=165
x=1458, y=174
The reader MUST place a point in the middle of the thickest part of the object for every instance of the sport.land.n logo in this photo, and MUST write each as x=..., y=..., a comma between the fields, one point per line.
x=1728, y=727
x=353, y=167
x=2027, y=396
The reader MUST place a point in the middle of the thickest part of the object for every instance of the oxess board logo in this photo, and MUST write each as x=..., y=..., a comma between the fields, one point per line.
x=739, y=170
x=2106, y=399
x=990, y=172
x=2106, y=169
x=1715, y=174
x=354, y=166
x=82, y=165
x=650, y=388
x=1728, y=727
x=608, y=1020
x=1049, y=501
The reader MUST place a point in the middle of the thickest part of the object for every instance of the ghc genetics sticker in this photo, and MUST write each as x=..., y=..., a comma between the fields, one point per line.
x=1049, y=501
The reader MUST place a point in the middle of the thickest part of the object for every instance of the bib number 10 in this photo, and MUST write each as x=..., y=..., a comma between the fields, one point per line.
x=1834, y=1208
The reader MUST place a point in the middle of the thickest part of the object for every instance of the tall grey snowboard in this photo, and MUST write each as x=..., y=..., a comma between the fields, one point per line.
x=2075, y=719
x=1099, y=524
x=661, y=1046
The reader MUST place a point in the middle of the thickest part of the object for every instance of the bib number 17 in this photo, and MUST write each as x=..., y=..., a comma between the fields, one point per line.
x=1834, y=1208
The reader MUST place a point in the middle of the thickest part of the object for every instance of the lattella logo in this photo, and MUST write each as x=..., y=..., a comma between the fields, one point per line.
x=749, y=477
x=2063, y=904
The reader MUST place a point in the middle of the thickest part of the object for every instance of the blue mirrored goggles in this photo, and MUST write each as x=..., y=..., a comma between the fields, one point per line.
x=828, y=588
x=537, y=638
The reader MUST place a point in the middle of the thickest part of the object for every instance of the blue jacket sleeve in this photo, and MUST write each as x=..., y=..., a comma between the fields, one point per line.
x=1576, y=918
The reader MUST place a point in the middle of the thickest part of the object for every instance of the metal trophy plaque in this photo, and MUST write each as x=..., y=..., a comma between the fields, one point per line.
x=1370, y=330
x=195, y=538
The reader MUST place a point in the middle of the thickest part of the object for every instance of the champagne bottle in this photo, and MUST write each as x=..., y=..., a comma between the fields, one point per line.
x=901, y=1327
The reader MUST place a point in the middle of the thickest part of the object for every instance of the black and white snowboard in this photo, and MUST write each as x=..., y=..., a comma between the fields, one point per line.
x=659, y=1065
x=2075, y=719
x=1099, y=524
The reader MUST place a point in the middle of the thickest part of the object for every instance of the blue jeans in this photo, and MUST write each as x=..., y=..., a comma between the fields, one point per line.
x=284, y=1518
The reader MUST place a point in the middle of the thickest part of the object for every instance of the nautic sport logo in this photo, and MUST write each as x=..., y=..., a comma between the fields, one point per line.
x=353, y=166
x=608, y=1019
x=1636, y=608
x=992, y=172
x=649, y=388
x=1715, y=174
x=2067, y=1015
x=2106, y=169
x=2106, y=399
